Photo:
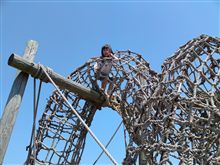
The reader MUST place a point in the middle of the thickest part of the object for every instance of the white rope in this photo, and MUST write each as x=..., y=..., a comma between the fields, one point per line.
x=79, y=117
x=108, y=142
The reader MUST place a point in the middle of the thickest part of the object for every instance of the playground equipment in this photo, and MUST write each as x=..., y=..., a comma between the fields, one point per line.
x=172, y=116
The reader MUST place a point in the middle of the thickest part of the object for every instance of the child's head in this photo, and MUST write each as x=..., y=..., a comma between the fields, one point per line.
x=106, y=50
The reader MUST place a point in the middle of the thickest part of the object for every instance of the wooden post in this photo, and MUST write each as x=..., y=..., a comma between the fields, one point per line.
x=63, y=83
x=142, y=158
x=14, y=100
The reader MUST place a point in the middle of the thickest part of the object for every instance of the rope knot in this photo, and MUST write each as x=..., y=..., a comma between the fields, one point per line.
x=40, y=73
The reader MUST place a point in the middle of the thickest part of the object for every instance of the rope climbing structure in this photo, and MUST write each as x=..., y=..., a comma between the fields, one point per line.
x=171, y=117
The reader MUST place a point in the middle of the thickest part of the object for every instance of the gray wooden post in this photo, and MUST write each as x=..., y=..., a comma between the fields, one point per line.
x=63, y=83
x=142, y=158
x=14, y=100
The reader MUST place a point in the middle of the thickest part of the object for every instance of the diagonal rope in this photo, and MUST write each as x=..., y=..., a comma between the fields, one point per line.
x=35, y=107
x=125, y=137
x=79, y=117
x=108, y=142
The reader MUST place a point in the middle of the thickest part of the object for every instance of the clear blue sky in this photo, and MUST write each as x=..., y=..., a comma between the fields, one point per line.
x=70, y=32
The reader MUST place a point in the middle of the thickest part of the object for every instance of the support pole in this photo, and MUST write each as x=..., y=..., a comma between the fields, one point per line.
x=36, y=71
x=142, y=158
x=14, y=100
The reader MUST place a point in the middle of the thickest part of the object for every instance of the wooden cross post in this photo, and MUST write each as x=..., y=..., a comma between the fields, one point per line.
x=14, y=100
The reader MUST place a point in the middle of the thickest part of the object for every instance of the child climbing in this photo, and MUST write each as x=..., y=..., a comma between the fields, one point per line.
x=103, y=67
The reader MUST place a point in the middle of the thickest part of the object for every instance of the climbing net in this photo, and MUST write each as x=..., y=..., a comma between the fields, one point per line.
x=171, y=117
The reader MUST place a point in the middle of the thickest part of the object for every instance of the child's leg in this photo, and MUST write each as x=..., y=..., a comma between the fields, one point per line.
x=111, y=83
x=104, y=83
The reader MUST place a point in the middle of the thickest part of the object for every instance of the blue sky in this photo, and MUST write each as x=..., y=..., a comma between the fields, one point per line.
x=71, y=32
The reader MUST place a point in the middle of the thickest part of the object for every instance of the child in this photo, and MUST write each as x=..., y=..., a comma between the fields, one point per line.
x=103, y=67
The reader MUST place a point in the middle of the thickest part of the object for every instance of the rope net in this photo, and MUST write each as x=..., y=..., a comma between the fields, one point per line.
x=171, y=117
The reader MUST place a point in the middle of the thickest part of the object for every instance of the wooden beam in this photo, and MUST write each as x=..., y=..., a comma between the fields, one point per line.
x=63, y=83
x=142, y=158
x=14, y=100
